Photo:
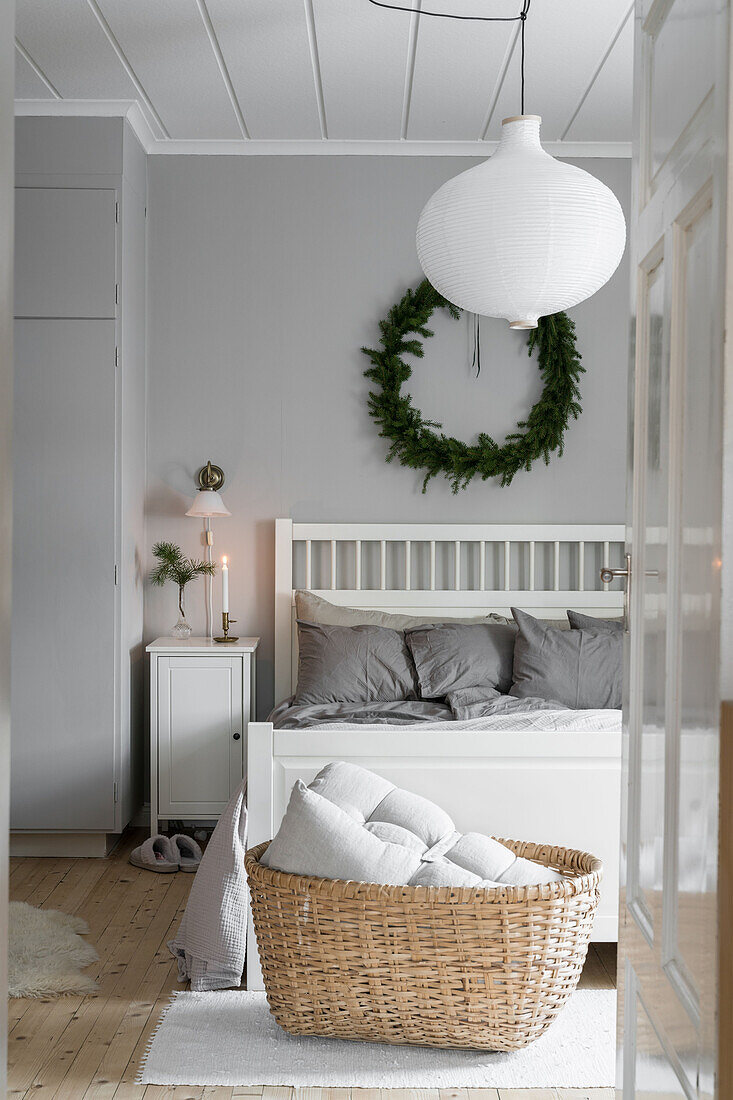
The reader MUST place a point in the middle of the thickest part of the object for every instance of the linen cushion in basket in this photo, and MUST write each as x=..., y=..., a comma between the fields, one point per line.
x=578, y=621
x=451, y=656
x=580, y=669
x=353, y=664
x=352, y=824
x=314, y=609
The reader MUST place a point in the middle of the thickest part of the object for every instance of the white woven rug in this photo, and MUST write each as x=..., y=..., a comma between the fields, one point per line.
x=230, y=1038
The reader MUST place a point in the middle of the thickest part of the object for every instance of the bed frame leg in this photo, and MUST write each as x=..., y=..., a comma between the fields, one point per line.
x=260, y=744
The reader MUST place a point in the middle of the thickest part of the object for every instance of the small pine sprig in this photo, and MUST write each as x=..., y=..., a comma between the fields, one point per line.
x=173, y=566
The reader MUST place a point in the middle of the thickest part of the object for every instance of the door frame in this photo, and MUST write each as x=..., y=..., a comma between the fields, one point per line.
x=7, y=182
x=725, y=906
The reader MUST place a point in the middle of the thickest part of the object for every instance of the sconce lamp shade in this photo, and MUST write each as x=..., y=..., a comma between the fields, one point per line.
x=207, y=504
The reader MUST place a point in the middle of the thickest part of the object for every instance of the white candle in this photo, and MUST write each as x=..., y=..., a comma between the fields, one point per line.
x=224, y=585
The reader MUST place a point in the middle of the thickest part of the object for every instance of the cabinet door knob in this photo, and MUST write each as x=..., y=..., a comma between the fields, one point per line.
x=236, y=736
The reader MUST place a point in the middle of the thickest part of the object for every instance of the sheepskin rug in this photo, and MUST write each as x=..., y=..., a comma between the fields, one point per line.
x=46, y=953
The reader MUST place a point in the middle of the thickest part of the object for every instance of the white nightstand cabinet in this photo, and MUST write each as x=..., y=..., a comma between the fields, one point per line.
x=202, y=697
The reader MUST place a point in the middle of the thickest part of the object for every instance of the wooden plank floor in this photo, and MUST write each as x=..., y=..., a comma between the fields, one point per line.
x=89, y=1048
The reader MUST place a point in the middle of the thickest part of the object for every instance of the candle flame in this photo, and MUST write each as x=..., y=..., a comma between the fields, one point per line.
x=224, y=560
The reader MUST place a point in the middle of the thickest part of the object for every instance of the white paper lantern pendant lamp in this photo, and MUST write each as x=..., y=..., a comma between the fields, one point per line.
x=522, y=235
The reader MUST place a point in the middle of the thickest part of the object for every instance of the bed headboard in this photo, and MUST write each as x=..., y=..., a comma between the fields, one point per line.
x=446, y=569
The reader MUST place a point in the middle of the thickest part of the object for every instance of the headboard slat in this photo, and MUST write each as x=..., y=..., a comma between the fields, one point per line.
x=308, y=563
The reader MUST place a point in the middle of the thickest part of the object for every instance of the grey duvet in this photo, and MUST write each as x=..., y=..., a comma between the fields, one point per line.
x=405, y=712
x=473, y=708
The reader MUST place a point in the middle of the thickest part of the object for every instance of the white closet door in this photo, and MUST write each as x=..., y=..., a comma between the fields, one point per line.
x=201, y=735
x=65, y=252
x=63, y=635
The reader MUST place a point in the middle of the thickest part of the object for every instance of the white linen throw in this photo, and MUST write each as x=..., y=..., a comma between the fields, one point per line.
x=211, y=940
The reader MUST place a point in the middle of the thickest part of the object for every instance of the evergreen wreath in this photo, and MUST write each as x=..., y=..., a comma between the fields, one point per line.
x=422, y=445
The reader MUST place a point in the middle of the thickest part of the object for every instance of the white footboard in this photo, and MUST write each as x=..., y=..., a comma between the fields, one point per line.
x=557, y=788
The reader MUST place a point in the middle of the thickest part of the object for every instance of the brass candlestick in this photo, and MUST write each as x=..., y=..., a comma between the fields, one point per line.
x=225, y=624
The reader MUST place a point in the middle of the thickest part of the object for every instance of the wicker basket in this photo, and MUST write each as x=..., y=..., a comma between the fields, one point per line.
x=436, y=966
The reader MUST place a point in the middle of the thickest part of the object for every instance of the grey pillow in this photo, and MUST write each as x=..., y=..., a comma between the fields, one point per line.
x=314, y=609
x=578, y=621
x=580, y=669
x=352, y=664
x=451, y=656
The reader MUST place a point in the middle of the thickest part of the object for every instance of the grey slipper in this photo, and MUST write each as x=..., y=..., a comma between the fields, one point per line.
x=188, y=851
x=157, y=853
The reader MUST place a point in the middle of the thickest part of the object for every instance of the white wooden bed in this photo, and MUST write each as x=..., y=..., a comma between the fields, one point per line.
x=497, y=782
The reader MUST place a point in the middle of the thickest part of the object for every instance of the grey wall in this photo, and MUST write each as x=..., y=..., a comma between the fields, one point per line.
x=265, y=276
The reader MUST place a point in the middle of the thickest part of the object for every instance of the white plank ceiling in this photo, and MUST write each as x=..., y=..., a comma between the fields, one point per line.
x=285, y=75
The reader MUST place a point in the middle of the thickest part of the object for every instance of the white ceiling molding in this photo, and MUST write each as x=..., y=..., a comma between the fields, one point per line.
x=141, y=127
x=89, y=108
x=308, y=148
x=333, y=147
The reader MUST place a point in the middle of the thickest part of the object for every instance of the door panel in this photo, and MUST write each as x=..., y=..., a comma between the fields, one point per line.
x=684, y=30
x=65, y=252
x=63, y=618
x=652, y=1076
x=690, y=947
x=200, y=711
x=668, y=941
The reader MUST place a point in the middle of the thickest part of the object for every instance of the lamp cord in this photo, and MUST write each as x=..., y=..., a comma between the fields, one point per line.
x=522, y=17
x=476, y=361
x=209, y=583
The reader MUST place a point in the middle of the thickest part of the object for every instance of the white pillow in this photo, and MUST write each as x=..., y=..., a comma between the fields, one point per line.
x=352, y=824
x=319, y=839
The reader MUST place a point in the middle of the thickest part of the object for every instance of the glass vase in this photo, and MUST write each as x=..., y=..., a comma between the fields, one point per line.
x=182, y=628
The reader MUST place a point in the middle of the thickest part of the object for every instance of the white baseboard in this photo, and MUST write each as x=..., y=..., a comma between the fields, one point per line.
x=94, y=845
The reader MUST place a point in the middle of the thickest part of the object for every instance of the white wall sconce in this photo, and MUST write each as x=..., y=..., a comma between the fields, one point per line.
x=208, y=505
